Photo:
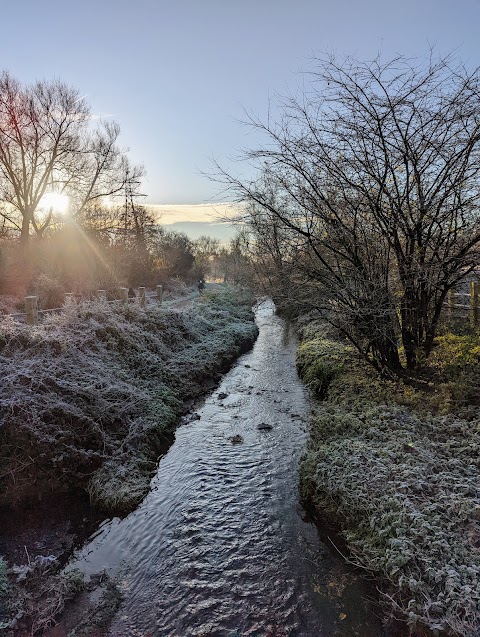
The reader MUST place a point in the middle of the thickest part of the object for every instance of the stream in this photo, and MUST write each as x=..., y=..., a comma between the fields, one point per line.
x=221, y=546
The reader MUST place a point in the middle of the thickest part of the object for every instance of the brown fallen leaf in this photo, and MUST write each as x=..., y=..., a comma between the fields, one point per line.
x=342, y=616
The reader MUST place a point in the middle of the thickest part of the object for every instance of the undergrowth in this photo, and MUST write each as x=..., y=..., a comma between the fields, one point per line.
x=89, y=396
x=39, y=592
x=399, y=475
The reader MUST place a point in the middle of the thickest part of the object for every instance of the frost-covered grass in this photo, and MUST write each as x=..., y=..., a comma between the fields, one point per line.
x=402, y=485
x=38, y=592
x=89, y=396
x=3, y=577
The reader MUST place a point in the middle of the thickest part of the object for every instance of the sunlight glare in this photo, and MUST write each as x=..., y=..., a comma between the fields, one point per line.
x=54, y=201
x=108, y=202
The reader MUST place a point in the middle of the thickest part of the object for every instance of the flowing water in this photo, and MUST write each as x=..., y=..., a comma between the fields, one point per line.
x=220, y=546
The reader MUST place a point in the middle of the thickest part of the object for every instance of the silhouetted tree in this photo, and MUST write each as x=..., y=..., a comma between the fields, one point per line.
x=206, y=250
x=173, y=254
x=371, y=182
x=48, y=143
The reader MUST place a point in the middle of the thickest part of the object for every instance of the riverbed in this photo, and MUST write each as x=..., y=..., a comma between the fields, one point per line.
x=221, y=545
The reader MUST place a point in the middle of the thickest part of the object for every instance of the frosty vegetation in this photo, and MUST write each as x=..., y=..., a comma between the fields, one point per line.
x=3, y=576
x=89, y=397
x=402, y=485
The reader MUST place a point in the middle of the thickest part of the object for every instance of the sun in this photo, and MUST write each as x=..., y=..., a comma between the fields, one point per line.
x=55, y=202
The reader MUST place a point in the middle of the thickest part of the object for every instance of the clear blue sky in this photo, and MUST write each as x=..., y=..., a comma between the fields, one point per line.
x=176, y=74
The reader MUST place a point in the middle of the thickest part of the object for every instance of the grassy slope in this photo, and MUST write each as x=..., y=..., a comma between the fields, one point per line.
x=401, y=482
x=89, y=397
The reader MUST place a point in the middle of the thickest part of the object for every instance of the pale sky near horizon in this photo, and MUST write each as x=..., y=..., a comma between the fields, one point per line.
x=177, y=74
x=173, y=213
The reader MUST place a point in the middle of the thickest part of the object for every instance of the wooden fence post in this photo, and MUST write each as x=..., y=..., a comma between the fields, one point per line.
x=141, y=294
x=124, y=295
x=159, y=293
x=68, y=297
x=102, y=295
x=473, y=304
x=31, y=309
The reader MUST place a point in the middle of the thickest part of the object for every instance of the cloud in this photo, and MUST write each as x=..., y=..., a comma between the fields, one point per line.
x=195, y=229
x=203, y=212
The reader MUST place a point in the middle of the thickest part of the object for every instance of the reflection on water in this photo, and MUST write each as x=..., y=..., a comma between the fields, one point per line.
x=219, y=547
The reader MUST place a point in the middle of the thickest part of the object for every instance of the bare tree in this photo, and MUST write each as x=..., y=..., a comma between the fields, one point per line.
x=39, y=133
x=102, y=173
x=48, y=143
x=373, y=178
x=206, y=250
x=172, y=253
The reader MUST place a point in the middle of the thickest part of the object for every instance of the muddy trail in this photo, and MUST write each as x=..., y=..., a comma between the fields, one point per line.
x=221, y=546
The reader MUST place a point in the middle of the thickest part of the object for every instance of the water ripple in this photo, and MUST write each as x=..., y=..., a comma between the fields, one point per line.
x=219, y=546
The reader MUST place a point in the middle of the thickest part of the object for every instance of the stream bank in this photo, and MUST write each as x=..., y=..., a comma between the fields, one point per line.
x=90, y=401
x=400, y=480
x=221, y=546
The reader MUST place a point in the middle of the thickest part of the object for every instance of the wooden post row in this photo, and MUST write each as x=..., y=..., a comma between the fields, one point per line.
x=31, y=302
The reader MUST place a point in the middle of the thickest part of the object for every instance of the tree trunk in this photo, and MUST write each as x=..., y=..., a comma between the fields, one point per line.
x=388, y=354
x=409, y=347
x=25, y=231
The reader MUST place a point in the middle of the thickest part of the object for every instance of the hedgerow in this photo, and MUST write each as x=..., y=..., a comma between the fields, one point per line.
x=404, y=489
x=89, y=396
